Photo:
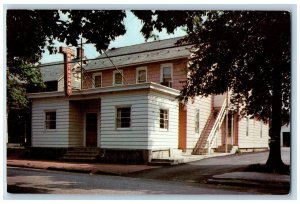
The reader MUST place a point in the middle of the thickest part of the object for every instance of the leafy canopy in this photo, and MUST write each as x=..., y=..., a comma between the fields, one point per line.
x=236, y=51
x=29, y=31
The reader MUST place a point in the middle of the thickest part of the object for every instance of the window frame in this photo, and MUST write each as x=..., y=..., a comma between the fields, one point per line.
x=247, y=126
x=94, y=81
x=162, y=66
x=116, y=118
x=261, y=129
x=137, y=74
x=47, y=123
x=197, y=121
x=166, y=124
x=114, y=78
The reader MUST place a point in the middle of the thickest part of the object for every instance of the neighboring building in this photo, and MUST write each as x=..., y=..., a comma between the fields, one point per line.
x=285, y=139
x=133, y=111
x=53, y=74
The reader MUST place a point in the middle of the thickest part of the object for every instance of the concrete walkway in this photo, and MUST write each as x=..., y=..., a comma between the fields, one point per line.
x=109, y=169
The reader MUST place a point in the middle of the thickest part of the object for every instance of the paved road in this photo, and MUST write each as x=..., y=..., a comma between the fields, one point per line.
x=200, y=171
x=32, y=181
x=185, y=179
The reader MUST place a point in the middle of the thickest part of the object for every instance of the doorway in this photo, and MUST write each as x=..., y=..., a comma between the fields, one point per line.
x=91, y=129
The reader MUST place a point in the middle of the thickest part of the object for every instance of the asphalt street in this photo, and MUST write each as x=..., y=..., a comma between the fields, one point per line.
x=186, y=179
x=32, y=181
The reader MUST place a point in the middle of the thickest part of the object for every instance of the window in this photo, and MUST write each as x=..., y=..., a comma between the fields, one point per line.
x=50, y=120
x=97, y=80
x=261, y=127
x=166, y=73
x=163, y=119
x=117, y=77
x=247, y=126
x=123, y=119
x=197, y=121
x=50, y=86
x=141, y=75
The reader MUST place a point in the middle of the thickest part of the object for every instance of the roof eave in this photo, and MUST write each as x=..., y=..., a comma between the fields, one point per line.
x=96, y=91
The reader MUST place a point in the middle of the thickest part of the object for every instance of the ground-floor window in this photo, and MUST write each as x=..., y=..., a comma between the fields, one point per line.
x=50, y=120
x=163, y=119
x=123, y=119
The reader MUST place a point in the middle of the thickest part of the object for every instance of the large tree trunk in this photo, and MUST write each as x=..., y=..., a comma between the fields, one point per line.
x=274, y=161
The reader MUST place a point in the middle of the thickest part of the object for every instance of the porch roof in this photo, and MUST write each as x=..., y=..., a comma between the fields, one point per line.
x=91, y=93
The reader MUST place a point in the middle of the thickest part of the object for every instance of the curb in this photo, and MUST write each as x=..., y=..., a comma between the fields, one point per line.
x=250, y=183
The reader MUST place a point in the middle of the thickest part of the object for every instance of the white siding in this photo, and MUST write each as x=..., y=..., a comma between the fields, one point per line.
x=161, y=138
x=133, y=138
x=253, y=140
x=76, y=125
x=219, y=100
x=55, y=137
x=60, y=85
x=204, y=106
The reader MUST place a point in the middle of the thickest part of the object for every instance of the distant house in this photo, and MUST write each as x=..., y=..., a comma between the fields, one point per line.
x=285, y=139
x=53, y=74
x=132, y=111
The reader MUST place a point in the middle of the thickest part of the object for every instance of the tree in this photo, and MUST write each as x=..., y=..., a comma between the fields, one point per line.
x=247, y=52
x=29, y=31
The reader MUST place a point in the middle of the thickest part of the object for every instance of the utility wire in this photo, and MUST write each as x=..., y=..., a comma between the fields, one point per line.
x=101, y=57
x=116, y=67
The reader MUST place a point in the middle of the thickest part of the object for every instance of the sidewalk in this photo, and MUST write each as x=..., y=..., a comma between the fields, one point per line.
x=108, y=169
x=252, y=179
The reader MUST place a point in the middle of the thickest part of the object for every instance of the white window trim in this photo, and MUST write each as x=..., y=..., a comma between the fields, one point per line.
x=114, y=72
x=116, y=115
x=197, y=110
x=168, y=113
x=247, y=126
x=161, y=70
x=94, y=75
x=49, y=111
x=137, y=74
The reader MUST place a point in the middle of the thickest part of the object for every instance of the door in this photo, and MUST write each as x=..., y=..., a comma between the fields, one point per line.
x=182, y=128
x=91, y=130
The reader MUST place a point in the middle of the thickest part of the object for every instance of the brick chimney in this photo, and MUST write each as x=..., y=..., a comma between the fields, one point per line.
x=68, y=53
x=80, y=52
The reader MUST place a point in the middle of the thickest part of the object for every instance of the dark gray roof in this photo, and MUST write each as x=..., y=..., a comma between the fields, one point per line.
x=53, y=71
x=140, y=54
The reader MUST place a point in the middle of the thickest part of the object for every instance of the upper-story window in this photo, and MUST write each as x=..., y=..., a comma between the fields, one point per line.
x=97, y=80
x=141, y=74
x=166, y=74
x=51, y=86
x=117, y=77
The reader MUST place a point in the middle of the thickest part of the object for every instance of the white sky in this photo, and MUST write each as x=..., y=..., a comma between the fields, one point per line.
x=132, y=36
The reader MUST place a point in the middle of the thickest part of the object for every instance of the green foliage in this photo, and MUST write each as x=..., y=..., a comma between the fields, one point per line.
x=240, y=51
x=24, y=79
x=29, y=31
x=238, y=151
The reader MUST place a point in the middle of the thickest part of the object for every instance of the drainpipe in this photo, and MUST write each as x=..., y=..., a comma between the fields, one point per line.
x=232, y=128
x=226, y=129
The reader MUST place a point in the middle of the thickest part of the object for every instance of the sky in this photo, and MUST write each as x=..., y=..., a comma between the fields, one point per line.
x=132, y=36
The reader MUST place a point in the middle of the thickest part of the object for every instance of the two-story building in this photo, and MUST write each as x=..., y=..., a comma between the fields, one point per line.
x=128, y=110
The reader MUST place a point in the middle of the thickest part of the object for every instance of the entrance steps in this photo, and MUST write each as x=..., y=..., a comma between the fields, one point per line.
x=81, y=154
x=230, y=149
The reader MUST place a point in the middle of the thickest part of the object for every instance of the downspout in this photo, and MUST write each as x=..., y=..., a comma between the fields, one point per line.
x=226, y=129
